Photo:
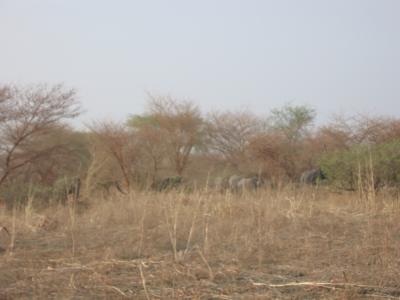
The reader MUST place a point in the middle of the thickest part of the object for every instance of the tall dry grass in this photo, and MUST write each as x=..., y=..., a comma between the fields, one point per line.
x=286, y=243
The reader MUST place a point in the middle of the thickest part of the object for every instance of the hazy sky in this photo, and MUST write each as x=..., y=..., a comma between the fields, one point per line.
x=338, y=56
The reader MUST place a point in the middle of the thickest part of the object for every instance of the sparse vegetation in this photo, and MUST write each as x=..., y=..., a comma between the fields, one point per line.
x=285, y=244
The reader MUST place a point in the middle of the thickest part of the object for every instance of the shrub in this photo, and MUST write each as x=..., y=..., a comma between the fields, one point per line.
x=362, y=163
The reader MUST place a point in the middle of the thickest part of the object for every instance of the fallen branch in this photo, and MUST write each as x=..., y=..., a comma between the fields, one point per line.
x=322, y=284
x=331, y=285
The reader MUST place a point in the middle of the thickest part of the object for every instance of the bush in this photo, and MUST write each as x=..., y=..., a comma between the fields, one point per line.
x=362, y=163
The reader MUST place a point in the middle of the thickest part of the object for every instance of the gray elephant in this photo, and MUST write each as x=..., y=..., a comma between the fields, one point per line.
x=250, y=183
x=239, y=183
x=233, y=182
x=312, y=176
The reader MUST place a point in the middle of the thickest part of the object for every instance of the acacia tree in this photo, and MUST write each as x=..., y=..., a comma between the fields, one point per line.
x=371, y=130
x=27, y=115
x=281, y=147
x=181, y=126
x=152, y=143
x=115, y=140
x=292, y=121
x=344, y=132
x=69, y=160
x=229, y=133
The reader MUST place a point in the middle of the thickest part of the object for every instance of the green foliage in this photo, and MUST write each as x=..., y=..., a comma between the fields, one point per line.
x=340, y=168
x=362, y=163
x=293, y=121
x=140, y=121
x=387, y=163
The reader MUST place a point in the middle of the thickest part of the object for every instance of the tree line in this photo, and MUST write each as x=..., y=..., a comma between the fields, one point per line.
x=41, y=153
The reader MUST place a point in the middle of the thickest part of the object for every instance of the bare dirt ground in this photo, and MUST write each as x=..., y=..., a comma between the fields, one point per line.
x=286, y=244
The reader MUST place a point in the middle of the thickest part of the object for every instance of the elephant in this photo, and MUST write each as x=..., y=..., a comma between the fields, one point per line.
x=250, y=183
x=312, y=176
x=239, y=183
x=233, y=182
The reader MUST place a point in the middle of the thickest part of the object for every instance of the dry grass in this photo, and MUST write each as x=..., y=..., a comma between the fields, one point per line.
x=278, y=244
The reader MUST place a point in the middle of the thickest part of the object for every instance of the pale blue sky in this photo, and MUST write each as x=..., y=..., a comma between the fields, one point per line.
x=339, y=56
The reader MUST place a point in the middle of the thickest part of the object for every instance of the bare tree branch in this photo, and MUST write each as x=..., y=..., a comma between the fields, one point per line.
x=26, y=114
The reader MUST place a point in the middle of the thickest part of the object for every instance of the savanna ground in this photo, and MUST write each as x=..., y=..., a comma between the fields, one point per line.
x=288, y=243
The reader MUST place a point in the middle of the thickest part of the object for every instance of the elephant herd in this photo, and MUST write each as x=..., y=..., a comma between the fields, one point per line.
x=237, y=183
x=233, y=183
